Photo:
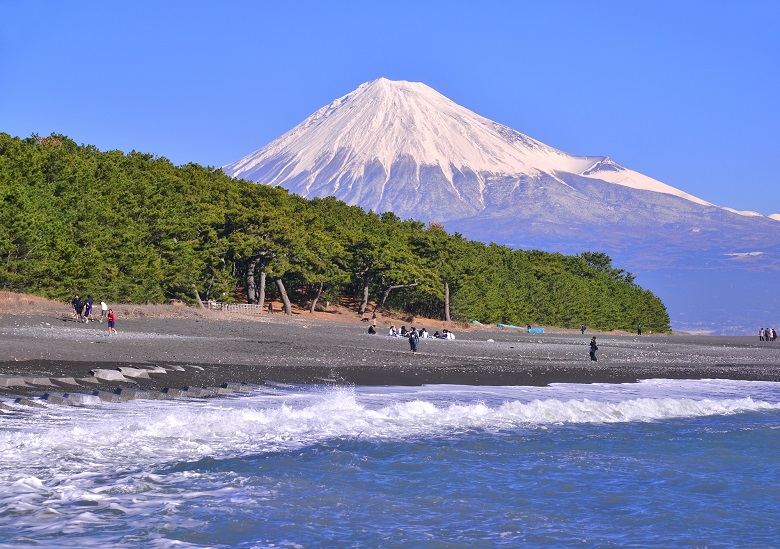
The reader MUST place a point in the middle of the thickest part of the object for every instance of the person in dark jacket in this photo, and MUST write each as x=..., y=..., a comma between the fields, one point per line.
x=593, y=349
x=414, y=340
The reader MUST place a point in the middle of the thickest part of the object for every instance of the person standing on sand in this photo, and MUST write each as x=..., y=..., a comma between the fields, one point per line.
x=75, y=305
x=111, y=322
x=414, y=340
x=87, y=309
x=80, y=311
x=593, y=349
x=89, y=316
x=639, y=329
x=103, y=311
x=582, y=329
x=761, y=334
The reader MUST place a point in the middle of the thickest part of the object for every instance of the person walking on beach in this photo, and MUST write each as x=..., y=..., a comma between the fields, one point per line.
x=761, y=334
x=88, y=309
x=414, y=340
x=75, y=304
x=103, y=311
x=80, y=310
x=593, y=349
x=582, y=329
x=111, y=322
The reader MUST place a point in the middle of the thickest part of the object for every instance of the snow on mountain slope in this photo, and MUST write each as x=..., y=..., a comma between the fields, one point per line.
x=378, y=144
x=607, y=170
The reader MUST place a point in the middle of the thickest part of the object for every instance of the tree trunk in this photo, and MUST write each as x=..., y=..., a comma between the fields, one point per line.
x=316, y=297
x=285, y=299
x=386, y=294
x=364, y=304
x=250, y=280
x=446, y=301
x=261, y=293
x=197, y=296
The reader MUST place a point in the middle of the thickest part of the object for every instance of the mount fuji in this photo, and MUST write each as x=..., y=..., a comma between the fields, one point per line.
x=403, y=147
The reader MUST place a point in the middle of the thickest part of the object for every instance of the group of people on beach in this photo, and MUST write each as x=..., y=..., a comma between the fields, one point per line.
x=413, y=334
x=767, y=334
x=82, y=312
x=422, y=333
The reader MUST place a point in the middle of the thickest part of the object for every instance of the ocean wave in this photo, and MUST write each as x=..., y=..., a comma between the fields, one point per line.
x=89, y=440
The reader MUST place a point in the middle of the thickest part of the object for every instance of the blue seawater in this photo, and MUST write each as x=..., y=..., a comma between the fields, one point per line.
x=653, y=464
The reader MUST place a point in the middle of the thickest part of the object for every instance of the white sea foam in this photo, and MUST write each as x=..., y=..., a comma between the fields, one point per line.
x=77, y=470
x=84, y=441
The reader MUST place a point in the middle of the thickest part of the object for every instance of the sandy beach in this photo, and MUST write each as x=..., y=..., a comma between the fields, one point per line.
x=207, y=349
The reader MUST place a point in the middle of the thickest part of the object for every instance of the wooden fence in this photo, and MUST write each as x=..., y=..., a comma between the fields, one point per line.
x=246, y=308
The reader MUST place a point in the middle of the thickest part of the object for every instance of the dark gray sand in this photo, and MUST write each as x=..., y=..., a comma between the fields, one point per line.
x=208, y=350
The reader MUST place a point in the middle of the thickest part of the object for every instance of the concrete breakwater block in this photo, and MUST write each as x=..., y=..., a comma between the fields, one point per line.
x=271, y=383
x=88, y=380
x=173, y=393
x=239, y=387
x=105, y=396
x=57, y=399
x=132, y=393
x=28, y=402
x=38, y=381
x=64, y=381
x=109, y=375
x=327, y=379
x=6, y=408
x=12, y=381
x=80, y=398
x=133, y=372
x=199, y=392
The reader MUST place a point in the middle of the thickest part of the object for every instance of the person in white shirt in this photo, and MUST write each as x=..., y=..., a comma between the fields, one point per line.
x=103, y=311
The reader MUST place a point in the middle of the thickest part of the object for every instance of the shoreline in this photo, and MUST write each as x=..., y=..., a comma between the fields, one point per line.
x=207, y=349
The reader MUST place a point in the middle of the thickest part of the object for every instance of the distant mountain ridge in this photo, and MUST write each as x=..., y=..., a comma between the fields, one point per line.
x=404, y=147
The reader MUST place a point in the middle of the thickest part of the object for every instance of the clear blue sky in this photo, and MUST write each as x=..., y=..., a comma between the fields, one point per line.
x=687, y=92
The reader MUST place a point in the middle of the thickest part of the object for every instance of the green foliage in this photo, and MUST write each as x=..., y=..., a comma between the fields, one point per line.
x=135, y=228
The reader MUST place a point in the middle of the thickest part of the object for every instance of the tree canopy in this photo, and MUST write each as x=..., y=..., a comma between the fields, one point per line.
x=132, y=227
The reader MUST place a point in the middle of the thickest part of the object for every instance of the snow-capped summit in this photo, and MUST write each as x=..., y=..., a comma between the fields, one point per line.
x=386, y=140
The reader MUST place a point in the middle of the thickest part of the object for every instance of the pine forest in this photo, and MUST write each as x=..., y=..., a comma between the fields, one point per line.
x=135, y=228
